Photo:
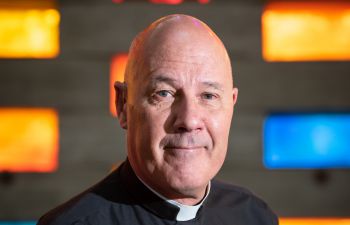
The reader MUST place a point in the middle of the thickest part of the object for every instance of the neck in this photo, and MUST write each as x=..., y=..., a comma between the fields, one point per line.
x=189, y=198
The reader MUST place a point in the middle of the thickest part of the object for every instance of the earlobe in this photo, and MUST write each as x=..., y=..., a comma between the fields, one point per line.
x=123, y=120
x=120, y=103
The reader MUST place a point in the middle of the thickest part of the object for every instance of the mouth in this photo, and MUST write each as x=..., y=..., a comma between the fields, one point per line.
x=183, y=148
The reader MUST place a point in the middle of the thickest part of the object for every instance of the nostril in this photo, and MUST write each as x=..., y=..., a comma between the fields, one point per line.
x=182, y=129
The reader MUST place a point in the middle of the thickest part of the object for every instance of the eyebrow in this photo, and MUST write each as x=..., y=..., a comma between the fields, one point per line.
x=172, y=82
x=162, y=79
x=214, y=85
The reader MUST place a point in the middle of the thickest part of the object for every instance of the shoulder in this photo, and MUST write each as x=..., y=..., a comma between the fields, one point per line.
x=229, y=194
x=75, y=211
x=239, y=200
x=89, y=205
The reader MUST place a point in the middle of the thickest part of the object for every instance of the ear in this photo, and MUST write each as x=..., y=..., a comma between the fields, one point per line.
x=120, y=102
x=235, y=95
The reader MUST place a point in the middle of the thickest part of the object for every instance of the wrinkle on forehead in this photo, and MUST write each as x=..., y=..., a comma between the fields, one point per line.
x=183, y=36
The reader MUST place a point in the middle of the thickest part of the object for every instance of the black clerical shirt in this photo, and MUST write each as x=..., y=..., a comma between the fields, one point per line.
x=122, y=199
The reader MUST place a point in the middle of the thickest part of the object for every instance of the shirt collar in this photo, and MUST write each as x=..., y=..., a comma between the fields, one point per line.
x=186, y=212
x=135, y=192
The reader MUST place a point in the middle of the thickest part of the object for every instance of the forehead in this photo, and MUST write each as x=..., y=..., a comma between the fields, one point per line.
x=182, y=49
x=186, y=62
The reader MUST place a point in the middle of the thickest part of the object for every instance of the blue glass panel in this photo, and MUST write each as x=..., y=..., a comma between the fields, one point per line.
x=17, y=222
x=307, y=141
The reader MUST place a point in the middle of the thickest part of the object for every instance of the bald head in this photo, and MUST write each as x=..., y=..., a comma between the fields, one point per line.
x=175, y=34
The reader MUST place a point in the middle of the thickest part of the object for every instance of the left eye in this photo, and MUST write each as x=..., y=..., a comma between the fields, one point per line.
x=208, y=96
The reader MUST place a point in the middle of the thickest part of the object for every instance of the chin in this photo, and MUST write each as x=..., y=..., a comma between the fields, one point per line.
x=188, y=185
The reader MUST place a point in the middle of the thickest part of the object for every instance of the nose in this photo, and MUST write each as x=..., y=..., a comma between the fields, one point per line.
x=188, y=116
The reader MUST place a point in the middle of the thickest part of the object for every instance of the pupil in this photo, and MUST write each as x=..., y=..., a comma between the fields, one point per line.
x=163, y=93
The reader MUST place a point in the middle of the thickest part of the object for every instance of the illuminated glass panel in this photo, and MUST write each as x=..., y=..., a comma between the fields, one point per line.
x=118, y=65
x=307, y=141
x=28, y=140
x=314, y=221
x=306, y=31
x=17, y=222
x=28, y=29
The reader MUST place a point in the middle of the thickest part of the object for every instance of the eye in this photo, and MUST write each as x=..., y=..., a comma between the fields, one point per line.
x=208, y=96
x=162, y=96
x=164, y=93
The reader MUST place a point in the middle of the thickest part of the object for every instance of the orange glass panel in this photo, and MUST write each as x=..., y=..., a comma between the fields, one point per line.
x=314, y=221
x=118, y=66
x=28, y=140
x=306, y=31
x=28, y=30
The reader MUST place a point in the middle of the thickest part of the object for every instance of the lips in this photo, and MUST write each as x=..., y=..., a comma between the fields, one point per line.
x=183, y=147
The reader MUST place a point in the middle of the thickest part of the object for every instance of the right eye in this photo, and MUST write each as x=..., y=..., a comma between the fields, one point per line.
x=163, y=93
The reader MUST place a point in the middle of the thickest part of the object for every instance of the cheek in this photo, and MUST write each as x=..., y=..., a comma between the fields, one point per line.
x=151, y=131
x=220, y=123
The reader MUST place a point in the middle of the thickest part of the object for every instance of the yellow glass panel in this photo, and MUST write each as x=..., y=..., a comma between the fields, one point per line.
x=28, y=140
x=306, y=31
x=28, y=31
x=118, y=66
x=314, y=221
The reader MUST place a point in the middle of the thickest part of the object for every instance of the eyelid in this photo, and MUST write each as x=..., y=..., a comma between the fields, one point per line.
x=156, y=95
x=159, y=86
x=215, y=95
x=168, y=91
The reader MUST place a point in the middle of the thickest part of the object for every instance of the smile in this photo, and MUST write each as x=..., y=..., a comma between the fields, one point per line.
x=184, y=148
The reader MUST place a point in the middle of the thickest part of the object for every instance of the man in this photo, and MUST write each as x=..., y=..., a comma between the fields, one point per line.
x=176, y=105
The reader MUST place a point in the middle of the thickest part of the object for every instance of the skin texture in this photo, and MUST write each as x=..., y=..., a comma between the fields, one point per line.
x=176, y=105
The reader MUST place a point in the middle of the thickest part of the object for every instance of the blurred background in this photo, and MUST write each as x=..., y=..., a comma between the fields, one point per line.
x=291, y=63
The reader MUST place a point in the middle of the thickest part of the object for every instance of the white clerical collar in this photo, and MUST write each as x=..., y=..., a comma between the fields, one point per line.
x=186, y=212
